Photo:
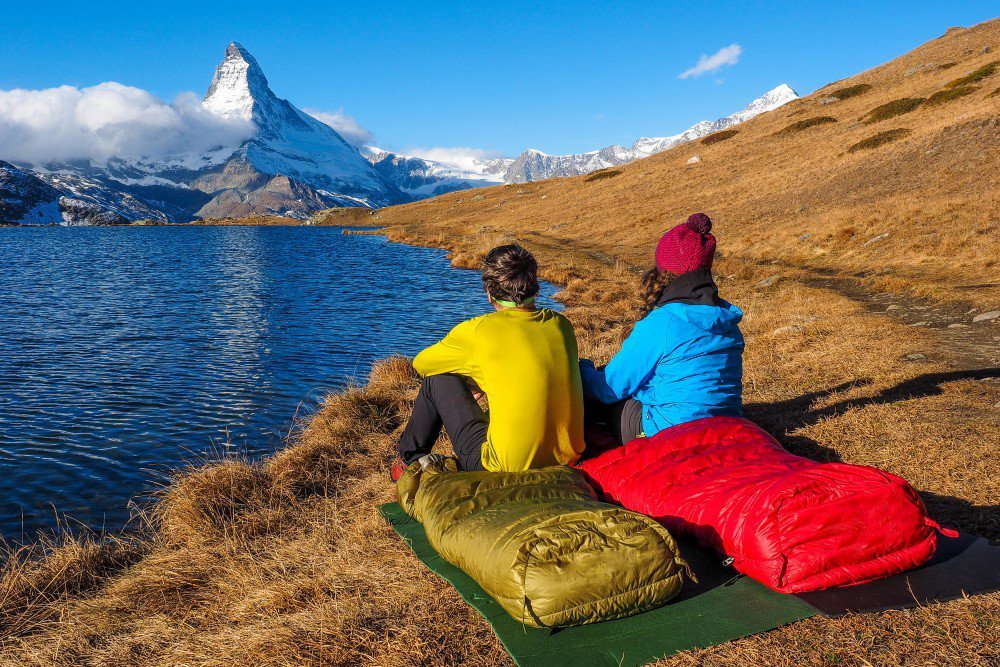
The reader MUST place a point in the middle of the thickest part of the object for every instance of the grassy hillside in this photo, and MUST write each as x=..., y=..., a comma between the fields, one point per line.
x=908, y=195
x=859, y=252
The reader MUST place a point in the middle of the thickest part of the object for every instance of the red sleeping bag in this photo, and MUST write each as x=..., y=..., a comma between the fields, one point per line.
x=790, y=523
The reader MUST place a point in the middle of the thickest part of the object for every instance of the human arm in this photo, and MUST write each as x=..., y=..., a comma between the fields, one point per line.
x=627, y=371
x=452, y=354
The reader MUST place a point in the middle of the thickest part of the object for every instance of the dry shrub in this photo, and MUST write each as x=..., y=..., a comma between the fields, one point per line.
x=37, y=578
x=716, y=137
x=806, y=123
x=880, y=139
x=337, y=443
x=893, y=109
x=393, y=375
x=850, y=91
x=942, y=96
x=226, y=499
x=602, y=174
x=975, y=76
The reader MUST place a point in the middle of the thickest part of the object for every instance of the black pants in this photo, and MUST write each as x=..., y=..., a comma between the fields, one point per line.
x=445, y=400
x=611, y=425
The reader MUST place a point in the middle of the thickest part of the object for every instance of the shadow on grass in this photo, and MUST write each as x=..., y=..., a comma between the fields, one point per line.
x=781, y=417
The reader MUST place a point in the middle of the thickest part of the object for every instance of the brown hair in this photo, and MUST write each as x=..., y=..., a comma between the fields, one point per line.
x=510, y=273
x=651, y=287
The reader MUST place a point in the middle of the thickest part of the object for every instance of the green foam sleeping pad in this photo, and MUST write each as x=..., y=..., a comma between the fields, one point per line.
x=542, y=545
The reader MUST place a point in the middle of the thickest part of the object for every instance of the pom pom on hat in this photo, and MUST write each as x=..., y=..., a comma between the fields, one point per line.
x=700, y=223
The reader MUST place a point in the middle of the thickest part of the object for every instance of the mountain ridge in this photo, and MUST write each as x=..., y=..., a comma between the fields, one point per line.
x=534, y=164
x=289, y=164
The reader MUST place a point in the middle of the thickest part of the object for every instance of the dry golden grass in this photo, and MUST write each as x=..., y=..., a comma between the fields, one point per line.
x=287, y=563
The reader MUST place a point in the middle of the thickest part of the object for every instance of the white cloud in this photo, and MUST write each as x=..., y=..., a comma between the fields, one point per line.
x=108, y=120
x=728, y=55
x=461, y=156
x=346, y=126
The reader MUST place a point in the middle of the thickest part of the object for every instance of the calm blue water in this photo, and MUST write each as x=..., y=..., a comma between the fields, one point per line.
x=125, y=352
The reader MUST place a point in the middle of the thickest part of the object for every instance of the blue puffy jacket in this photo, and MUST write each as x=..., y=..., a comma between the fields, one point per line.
x=681, y=361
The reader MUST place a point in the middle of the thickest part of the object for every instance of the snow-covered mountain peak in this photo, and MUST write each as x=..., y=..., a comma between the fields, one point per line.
x=238, y=83
x=772, y=99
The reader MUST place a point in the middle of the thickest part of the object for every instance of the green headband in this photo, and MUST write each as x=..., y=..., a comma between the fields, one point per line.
x=514, y=304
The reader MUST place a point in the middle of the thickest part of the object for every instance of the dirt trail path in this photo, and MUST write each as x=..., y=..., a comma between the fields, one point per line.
x=959, y=341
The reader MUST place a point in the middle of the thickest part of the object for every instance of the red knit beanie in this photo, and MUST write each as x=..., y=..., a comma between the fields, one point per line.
x=687, y=246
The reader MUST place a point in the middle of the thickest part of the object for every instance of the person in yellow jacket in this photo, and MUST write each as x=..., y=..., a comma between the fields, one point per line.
x=523, y=358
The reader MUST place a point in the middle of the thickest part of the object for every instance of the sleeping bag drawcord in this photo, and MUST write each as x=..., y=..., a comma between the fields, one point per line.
x=947, y=532
x=687, y=569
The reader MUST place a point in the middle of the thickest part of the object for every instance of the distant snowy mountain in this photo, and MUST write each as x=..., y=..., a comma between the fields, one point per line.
x=421, y=178
x=292, y=165
x=285, y=163
x=315, y=162
x=26, y=199
x=770, y=100
x=533, y=165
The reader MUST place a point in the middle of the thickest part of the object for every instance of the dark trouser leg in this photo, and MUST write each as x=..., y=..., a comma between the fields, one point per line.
x=445, y=400
x=626, y=423
x=611, y=425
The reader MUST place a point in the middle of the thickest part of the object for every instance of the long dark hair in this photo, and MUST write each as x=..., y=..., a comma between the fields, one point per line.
x=651, y=287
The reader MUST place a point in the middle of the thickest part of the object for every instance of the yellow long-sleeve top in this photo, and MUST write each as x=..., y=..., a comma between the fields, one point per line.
x=526, y=363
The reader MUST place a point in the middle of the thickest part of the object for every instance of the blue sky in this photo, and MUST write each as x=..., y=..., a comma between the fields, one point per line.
x=557, y=76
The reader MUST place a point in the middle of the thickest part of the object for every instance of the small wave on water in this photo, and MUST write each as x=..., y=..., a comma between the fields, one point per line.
x=125, y=352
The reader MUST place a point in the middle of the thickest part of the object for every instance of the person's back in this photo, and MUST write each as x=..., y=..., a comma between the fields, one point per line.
x=700, y=368
x=526, y=363
x=523, y=358
x=683, y=360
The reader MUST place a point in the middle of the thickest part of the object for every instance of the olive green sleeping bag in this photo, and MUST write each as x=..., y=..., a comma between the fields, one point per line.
x=541, y=544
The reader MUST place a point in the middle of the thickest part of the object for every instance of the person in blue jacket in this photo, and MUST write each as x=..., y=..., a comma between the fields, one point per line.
x=683, y=359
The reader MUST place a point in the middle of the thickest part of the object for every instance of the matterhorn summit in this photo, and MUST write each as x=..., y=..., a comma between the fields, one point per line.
x=237, y=84
x=291, y=157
